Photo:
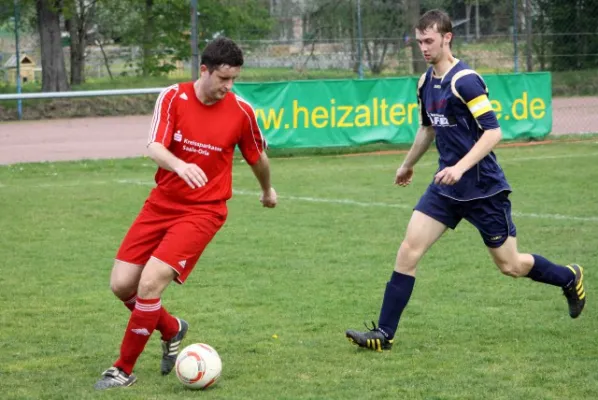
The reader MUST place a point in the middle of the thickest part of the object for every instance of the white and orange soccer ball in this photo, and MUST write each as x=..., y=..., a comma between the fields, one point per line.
x=198, y=366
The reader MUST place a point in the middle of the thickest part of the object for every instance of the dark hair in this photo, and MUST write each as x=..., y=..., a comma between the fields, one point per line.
x=435, y=17
x=221, y=51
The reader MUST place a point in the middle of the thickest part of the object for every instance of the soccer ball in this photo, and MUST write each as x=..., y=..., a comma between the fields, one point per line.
x=198, y=366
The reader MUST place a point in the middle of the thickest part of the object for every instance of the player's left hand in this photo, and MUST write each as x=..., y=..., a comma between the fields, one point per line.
x=448, y=176
x=269, y=198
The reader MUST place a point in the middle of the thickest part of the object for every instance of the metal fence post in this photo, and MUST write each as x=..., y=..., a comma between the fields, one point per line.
x=515, y=51
x=359, y=41
x=194, y=42
x=18, y=56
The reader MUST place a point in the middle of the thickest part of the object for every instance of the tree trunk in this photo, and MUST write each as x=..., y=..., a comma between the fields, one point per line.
x=77, y=54
x=477, y=19
x=81, y=13
x=106, y=61
x=53, y=69
x=413, y=14
x=528, y=36
x=467, y=24
x=72, y=25
x=147, y=38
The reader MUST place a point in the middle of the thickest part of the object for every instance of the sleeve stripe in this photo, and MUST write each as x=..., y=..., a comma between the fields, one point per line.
x=459, y=75
x=477, y=101
x=264, y=144
x=482, y=111
x=158, y=111
x=480, y=105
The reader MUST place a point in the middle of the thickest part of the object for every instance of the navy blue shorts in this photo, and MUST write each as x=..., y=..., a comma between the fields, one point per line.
x=490, y=215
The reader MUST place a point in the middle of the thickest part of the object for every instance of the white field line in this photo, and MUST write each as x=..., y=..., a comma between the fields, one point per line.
x=355, y=202
x=306, y=199
x=378, y=204
x=389, y=166
x=501, y=161
x=405, y=206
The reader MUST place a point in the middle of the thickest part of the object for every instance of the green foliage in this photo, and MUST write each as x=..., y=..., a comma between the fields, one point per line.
x=27, y=16
x=566, y=34
x=237, y=19
x=162, y=27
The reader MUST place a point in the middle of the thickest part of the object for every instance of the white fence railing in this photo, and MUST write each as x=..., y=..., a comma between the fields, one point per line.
x=86, y=93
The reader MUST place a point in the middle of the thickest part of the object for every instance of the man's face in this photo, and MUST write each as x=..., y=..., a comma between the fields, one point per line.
x=432, y=44
x=218, y=83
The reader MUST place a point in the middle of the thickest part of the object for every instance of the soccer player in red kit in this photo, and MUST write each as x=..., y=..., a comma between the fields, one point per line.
x=195, y=129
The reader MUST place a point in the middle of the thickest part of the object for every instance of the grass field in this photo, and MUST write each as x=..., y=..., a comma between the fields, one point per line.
x=306, y=271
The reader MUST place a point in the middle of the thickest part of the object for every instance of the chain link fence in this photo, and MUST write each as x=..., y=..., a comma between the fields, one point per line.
x=342, y=38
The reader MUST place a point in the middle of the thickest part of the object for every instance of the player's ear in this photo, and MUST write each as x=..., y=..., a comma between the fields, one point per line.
x=203, y=69
x=448, y=37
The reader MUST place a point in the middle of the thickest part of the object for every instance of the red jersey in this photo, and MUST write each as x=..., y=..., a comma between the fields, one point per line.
x=205, y=135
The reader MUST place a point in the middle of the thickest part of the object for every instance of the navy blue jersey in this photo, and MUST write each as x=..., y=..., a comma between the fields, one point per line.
x=457, y=106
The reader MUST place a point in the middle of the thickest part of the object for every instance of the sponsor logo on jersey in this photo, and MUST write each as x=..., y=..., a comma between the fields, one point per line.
x=441, y=120
x=178, y=136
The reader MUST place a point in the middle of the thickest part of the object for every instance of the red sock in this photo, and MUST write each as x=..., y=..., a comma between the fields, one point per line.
x=142, y=323
x=168, y=326
x=130, y=302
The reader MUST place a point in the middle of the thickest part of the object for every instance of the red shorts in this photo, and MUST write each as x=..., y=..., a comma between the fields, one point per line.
x=175, y=236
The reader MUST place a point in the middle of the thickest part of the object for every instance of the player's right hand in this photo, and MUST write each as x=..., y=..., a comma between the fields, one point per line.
x=192, y=175
x=404, y=176
x=269, y=198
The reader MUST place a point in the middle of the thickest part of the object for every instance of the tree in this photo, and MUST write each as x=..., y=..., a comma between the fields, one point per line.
x=78, y=16
x=587, y=45
x=383, y=25
x=413, y=14
x=162, y=28
x=572, y=29
x=53, y=68
x=112, y=20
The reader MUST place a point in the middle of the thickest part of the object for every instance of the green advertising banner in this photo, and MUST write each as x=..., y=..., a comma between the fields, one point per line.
x=350, y=112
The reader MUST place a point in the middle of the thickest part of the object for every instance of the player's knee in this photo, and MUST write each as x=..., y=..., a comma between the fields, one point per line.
x=151, y=287
x=121, y=289
x=511, y=268
x=408, y=256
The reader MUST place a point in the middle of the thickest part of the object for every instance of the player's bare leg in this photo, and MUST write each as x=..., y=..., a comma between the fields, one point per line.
x=124, y=281
x=422, y=232
x=569, y=277
x=154, y=279
x=509, y=261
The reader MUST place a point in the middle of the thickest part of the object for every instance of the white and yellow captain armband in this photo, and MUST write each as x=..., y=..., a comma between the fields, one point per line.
x=479, y=106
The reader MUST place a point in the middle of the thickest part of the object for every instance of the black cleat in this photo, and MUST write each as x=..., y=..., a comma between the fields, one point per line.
x=373, y=339
x=114, y=377
x=170, y=348
x=575, y=292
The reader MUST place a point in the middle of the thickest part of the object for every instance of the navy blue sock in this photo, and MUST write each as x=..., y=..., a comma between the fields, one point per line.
x=547, y=272
x=397, y=294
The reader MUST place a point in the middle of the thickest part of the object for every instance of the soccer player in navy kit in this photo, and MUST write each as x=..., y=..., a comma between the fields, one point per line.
x=469, y=184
